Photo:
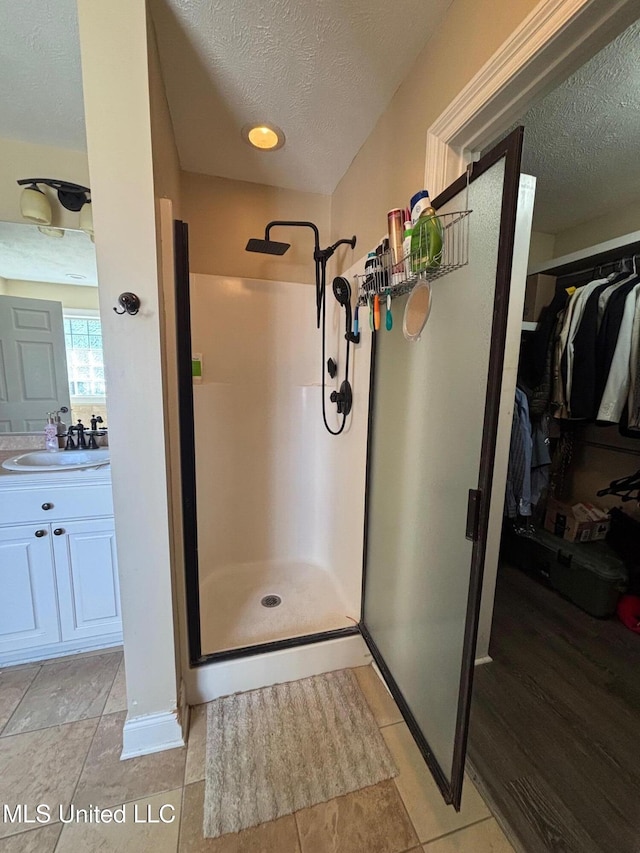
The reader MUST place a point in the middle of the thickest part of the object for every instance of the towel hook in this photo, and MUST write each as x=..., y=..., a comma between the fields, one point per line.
x=129, y=302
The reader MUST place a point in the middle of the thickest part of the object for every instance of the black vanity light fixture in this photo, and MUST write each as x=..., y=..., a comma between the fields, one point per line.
x=35, y=205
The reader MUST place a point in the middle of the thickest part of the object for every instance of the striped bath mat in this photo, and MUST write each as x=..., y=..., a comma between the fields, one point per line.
x=273, y=751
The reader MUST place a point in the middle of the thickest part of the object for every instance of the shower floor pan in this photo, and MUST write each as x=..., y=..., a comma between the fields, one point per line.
x=232, y=613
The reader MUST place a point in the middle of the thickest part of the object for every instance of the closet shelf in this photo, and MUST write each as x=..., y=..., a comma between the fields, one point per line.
x=391, y=279
x=592, y=256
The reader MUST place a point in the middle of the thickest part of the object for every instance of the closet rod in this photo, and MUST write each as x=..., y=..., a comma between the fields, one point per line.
x=612, y=447
x=597, y=268
x=610, y=250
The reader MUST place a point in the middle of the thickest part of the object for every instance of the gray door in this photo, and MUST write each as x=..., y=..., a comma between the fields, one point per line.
x=33, y=363
x=434, y=416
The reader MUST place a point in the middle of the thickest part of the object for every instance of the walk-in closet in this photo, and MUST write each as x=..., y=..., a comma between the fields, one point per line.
x=556, y=709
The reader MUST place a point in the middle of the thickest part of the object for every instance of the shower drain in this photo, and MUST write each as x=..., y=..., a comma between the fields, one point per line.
x=271, y=601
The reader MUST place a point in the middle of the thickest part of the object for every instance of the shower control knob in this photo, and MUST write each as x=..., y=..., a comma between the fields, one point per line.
x=343, y=398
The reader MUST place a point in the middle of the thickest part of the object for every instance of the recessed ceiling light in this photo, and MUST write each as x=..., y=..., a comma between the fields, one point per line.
x=76, y=276
x=265, y=137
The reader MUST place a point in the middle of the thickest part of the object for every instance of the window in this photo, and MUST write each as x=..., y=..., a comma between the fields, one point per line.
x=85, y=363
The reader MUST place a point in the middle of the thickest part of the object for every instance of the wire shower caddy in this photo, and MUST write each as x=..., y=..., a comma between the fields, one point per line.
x=396, y=277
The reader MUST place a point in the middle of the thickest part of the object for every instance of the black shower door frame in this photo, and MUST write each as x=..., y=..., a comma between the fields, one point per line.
x=188, y=478
x=479, y=503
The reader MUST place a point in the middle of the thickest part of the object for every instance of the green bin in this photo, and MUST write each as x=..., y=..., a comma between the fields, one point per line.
x=589, y=574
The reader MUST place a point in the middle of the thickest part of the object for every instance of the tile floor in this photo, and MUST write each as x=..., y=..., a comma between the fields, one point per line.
x=60, y=741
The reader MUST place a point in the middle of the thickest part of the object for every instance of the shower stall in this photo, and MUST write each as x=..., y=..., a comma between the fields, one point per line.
x=310, y=549
x=279, y=500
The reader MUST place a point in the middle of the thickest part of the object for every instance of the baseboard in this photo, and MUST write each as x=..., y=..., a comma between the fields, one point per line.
x=484, y=659
x=183, y=707
x=57, y=650
x=208, y=682
x=152, y=733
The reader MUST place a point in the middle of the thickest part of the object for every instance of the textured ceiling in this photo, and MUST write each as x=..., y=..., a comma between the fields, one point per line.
x=40, y=76
x=28, y=255
x=322, y=70
x=582, y=140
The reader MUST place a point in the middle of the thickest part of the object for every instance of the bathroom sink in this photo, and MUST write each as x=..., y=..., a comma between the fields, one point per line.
x=62, y=460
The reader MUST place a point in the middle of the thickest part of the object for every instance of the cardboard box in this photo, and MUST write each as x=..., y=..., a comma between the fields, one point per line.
x=539, y=291
x=579, y=522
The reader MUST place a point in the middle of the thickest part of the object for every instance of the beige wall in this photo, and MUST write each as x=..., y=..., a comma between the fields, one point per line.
x=593, y=466
x=24, y=160
x=71, y=295
x=223, y=214
x=166, y=164
x=616, y=223
x=541, y=248
x=389, y=167
x=167, y=190
x=113, y=40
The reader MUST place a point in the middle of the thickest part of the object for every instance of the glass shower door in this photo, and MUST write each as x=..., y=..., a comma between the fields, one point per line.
x=434, y=412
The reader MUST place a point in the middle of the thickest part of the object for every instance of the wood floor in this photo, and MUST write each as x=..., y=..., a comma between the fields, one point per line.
x=555, y=724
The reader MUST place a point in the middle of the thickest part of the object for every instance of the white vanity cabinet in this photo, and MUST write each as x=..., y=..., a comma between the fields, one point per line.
x=28, y=603
x=58, y=566
x=87, y=578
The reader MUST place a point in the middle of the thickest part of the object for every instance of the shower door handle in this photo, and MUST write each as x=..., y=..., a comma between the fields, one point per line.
x=473, y=514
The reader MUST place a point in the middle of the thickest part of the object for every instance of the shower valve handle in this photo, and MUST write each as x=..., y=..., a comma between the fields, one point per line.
x=343, y=398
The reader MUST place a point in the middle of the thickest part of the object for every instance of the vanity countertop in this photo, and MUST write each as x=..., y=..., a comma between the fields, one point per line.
x=80, y=475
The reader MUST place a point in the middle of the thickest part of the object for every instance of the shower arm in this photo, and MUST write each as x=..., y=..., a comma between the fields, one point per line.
x=320, y=256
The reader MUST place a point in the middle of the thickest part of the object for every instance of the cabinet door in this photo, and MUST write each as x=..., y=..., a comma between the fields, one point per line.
x=28, y=608
x=87, y=578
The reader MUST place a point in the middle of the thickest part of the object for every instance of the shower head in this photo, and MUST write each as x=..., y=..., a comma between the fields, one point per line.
x=320, y=256
x=342, y=290
x=266, y=247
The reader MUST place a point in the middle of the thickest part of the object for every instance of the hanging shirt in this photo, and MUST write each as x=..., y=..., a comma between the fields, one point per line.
x=518, y=494
x=617, y=385
x=580, y=299
x=609, y=334
x=563, y=356
x=535, y=356
x=540, y=459
x=603, y=299
x=634, y=372
x=582, y=398
x=558, y=399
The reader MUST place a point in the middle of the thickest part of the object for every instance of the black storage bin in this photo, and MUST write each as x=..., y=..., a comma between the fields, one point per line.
x=590, y=574
x=525, y=550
